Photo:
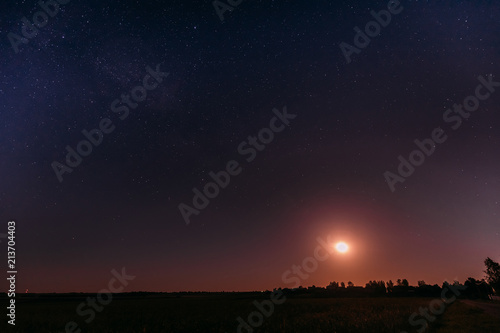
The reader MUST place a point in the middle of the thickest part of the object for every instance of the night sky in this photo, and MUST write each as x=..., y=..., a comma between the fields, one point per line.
x=321, y=175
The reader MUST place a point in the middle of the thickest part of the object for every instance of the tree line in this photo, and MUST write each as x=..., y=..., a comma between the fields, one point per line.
x=472, y=288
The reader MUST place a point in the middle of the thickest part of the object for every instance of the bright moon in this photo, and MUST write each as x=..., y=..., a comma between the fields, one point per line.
x=341, y=247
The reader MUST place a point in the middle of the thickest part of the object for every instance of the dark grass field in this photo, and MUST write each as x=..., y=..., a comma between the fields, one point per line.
x=219, y=314
x=467, y=317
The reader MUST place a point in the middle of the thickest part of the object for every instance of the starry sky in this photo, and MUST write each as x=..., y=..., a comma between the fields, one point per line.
x=322, y=175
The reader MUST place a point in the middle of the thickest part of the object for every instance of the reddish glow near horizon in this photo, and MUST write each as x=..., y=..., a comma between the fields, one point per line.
x=342, y=247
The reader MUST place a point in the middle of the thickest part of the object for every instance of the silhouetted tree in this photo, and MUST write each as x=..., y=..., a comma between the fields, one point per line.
x=375, y=287
x=405, y=283
x=350, y=284
x=477, y=289
x=381, y=287
x=342, y=285
x=421, y=283
x=390, y=286
x=399, y=282
x=333, y=285
x=493, y=274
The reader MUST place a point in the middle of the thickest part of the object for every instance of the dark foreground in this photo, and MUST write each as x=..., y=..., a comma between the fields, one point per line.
x=220, y=313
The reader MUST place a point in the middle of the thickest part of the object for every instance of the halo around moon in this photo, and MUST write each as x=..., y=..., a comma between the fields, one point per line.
x=341, y=247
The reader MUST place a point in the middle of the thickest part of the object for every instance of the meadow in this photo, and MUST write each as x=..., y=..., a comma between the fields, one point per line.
x=219, y=313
